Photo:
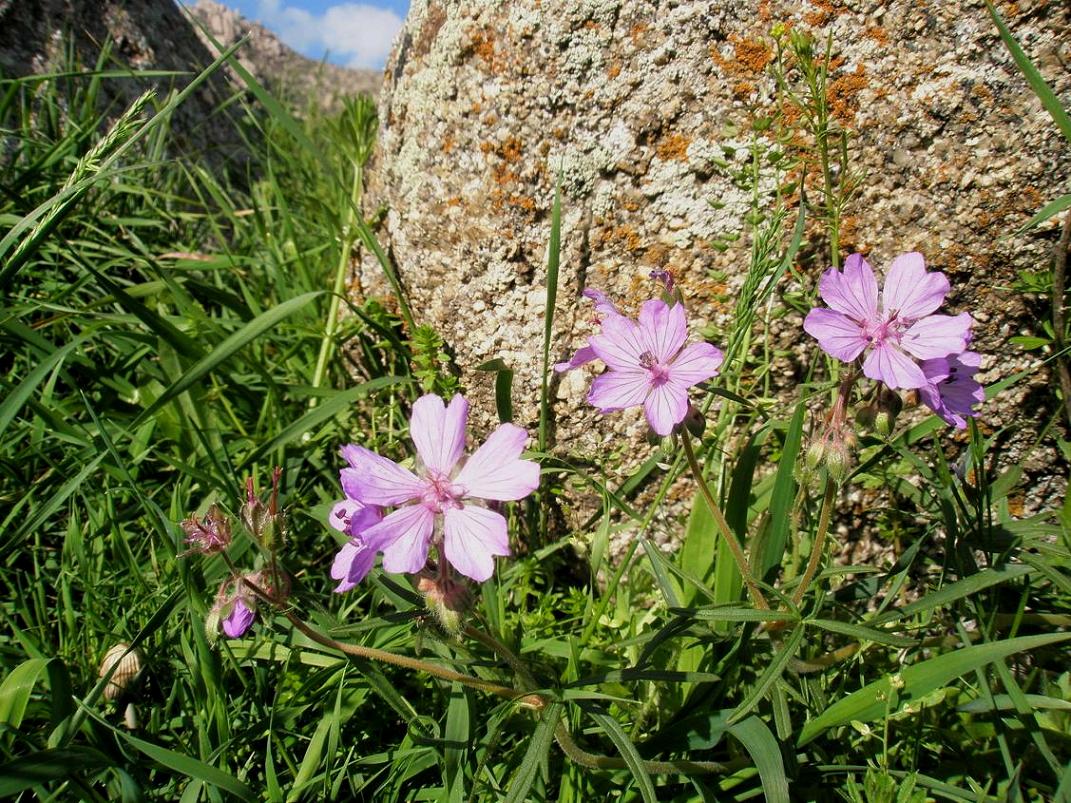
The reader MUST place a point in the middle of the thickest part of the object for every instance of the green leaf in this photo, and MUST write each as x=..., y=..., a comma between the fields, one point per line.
x=770, y=675
x=665, y=583
x=535, y=755
x=225, y=350
x=47, y=766
x=14, y=400
x=955, y=591
x=863, y=633
x=310, y=763
x=503, y=387
x=761, y=745
x=1029, y=342
x=612, y=728
x=869, y=703
x=1047, y=211
x=553, y=257
x=783, y=497
x=318, y=415
x=1033, y=77
x=16, y=689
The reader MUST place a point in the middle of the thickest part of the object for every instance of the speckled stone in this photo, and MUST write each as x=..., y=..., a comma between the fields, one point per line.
x=629, y=101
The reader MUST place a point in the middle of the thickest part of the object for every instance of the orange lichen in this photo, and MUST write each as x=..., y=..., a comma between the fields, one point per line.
x=511, y=150
x=674, y=146
x=637, y=31
x=613, y=70
x=448, y=144
x=752, y=54
x=823, y=13
x=878, y=34
x=843, y=94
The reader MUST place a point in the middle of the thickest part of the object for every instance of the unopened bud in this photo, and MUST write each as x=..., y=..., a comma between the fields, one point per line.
x=447, y=600
x=694, y=421
x=838, y=460
x=889, y=405
x=816, y=454
x=207, y=535
x=264, y=520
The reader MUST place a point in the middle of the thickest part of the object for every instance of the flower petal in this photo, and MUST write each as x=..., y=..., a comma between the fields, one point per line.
x=238, y=620
x=403, y=538
x=696, y=363
x=664, y=328
x=352, y=517
x=910, y=292
x=666, y=407
x=619, y=344
x=937, y=336
x=352, y=564
x=584, y=355
x=619, y=390
x=854, y=292
x=888, y=364
x=438, y=431
x=472, y=536
x=495, y=470
x=376, y=480
x=837, y=334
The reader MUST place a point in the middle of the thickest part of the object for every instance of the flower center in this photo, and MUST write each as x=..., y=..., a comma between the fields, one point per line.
x=440, y=493
x=889, y=329
x=659, y=374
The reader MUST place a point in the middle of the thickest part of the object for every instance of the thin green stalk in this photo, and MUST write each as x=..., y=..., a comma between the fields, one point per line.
x=727, y=533
x=327, y=342
x=819, y=542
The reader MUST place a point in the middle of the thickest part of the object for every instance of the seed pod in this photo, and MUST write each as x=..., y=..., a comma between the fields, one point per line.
x=128, y=669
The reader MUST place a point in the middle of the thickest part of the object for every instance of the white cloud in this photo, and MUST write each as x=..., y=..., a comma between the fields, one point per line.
x=358, y=34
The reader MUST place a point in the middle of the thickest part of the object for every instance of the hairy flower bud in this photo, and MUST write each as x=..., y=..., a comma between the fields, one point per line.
x=888, y=404
x=207, y=535
x=447, y=600
x=264, y=520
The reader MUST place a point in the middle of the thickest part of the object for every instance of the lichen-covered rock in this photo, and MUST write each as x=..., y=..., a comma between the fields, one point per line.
x=633, y=103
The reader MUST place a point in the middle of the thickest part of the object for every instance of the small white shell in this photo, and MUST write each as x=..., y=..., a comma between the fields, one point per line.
x=126, y=674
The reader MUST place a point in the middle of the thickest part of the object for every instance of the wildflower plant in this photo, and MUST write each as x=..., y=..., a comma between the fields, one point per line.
x=502, y=635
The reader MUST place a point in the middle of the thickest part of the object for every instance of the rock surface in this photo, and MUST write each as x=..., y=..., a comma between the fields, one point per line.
x=633, y=102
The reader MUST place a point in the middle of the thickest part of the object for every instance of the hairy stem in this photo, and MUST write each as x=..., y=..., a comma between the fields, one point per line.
x=819, y=542
x=730, y=538
x=1059, y=322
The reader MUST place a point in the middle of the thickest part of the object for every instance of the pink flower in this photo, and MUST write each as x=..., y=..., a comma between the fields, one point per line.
x=355, y=559
x=649, y=363
x=239, y=620
x=895, y=333
x=951, y=390
x=440, y=502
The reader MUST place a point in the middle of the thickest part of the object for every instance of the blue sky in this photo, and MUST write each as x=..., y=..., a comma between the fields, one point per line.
x=355, y=33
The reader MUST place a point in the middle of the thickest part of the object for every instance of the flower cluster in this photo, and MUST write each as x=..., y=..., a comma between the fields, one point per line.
x=445, y=501
x=648, y=363
x=901, y=341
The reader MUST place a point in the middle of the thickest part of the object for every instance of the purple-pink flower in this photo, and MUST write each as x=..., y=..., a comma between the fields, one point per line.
x=440, y=503
x=951, y=390
x=648, y=361
x=207, y=535
x=355, y=559
x=897, y=330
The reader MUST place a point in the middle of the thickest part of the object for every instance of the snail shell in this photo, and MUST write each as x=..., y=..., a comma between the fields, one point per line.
x=126, y=675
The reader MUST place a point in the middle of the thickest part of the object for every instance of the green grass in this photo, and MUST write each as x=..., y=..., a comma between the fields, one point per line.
x=169, y=330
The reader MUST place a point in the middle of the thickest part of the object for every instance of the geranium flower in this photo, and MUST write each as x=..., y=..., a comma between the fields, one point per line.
x=355, y=559
x=208, y=535
x=952, y=391
x=441, y=502
x=896, y=332
x=649, y=363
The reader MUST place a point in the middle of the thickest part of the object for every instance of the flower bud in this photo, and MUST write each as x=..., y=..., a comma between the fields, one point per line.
x=816, y=455
x=447, y=600
x=208, y=535
x=889, y=404
x=264, y=520
x=838, y=460
x=694, y=421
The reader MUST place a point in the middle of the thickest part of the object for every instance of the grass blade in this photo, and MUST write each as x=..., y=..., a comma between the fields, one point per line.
x=869, y=702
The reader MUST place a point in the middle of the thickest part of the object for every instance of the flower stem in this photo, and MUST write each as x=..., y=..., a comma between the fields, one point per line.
x=730, y=538
x=819, y=542
x=328, y=341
